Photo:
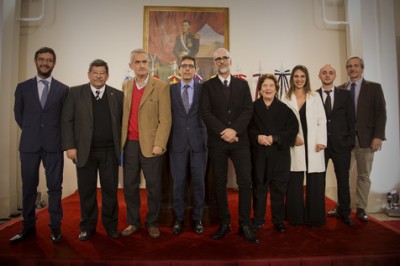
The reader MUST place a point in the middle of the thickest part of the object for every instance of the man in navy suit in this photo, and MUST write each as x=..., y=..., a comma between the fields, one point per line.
x=227, y=109
x=37, y=108
x=187, y=147
x=339, y=110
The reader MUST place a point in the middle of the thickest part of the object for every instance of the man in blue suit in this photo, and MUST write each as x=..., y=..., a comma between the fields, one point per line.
x=37, y=108
x=187, y=146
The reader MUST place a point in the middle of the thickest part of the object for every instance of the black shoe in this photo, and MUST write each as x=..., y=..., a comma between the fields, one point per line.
x=222, y=231
x=347, y=220
x=362, y=215
x=198, y=227
x=113, y=233
x=56, y=235
x=178, y=227
x=280, y=228
x=85, y=235
x=256, y=227
x=22, y=235
x=248, y=234
x=333, y=213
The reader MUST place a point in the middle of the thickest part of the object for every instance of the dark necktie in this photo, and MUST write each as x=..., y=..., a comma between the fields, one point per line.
x=97, y=95
x=328, y=103
x=353, y=94
x=185, y=98
x=45, y=92
x=227, y=91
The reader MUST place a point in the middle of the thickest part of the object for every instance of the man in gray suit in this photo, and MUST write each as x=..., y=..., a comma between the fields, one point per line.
x=91, y=131
x=370, y=111
x=187, y=146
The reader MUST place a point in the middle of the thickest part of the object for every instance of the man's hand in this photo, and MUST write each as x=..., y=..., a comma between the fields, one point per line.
x=72, y=154
x=156, y=150
x=229, y=135
x=376, y=144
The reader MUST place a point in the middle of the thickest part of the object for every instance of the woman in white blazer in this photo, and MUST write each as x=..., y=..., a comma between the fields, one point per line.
x=307, y=156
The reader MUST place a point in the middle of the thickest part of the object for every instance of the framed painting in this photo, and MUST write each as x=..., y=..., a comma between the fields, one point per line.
x=171, y=32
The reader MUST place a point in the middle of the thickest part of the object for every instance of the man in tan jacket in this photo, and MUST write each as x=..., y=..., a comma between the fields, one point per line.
x=146, y=125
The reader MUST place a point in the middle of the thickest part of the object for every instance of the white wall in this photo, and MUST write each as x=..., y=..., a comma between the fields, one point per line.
x=272, y=33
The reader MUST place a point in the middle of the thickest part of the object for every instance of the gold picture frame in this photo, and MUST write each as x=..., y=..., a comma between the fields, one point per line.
x=170, y=32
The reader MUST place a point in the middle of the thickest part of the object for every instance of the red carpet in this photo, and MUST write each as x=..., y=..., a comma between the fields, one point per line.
x=334, y=244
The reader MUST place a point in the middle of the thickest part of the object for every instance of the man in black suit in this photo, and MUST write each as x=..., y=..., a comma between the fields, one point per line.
x=187, y=145
x=340, y=123
x=227, y=109
x=91, y=133
x=370, y=113
x=37, y=108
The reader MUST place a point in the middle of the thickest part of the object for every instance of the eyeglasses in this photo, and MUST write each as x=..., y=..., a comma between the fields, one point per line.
x=187, y=66
x=98, y=73
x=47, y=60
x=219, y=59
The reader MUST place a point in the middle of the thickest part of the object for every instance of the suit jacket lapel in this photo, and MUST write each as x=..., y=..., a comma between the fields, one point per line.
x=87, y=99
x=147, y=91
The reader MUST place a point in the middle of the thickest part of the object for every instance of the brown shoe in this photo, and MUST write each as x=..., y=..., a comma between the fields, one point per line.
x=131, y=229
x=153, y=232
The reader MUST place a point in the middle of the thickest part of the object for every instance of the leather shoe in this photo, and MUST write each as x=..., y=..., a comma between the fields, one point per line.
x=248, y=234
x=85, y=235
x=131, y=229
x=178, y=227
x=362, y=215
x=222, y=231
x=347, y=220
x=198, y=227
x=333, y=213
x=56, y=235
x=153, y=232
x=256, y=227
x=280, y=228
x=113, y=233
x=22, y=235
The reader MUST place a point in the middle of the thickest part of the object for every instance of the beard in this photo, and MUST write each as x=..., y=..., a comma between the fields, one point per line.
x=223, y=70
x=46, y=73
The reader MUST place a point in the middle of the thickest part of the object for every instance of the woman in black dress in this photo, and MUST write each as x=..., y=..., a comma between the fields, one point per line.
x=272, y=131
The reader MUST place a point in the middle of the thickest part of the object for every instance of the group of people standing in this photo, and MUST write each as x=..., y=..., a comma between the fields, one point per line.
x=273, y=143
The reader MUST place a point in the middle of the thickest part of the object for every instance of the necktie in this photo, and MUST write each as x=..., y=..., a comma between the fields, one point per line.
x=226, y=90
x=353, y=94
x=185, y=98
x=328, y=103
x=45, y=92
x=97, y=95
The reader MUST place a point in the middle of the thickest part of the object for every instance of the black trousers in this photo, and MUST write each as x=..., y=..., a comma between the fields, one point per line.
x=277, y=189
x=134, y=161
x=53, y=163
x=241, y=160
x=104, y=163
x=341, y=163
x=312, y=211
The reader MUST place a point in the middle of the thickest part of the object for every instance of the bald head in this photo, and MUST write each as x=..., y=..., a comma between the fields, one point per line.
x=327, y=75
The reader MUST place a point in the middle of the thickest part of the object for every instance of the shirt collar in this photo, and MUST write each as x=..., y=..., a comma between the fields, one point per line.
x=222, y=79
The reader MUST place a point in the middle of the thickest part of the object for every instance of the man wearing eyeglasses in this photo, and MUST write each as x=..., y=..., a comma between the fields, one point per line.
x=37, y=109
x=187, y=145
x=226, y=107
x=91, y=131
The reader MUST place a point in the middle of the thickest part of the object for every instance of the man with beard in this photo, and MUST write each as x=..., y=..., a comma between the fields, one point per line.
x=37, y=108
x=227, y=108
